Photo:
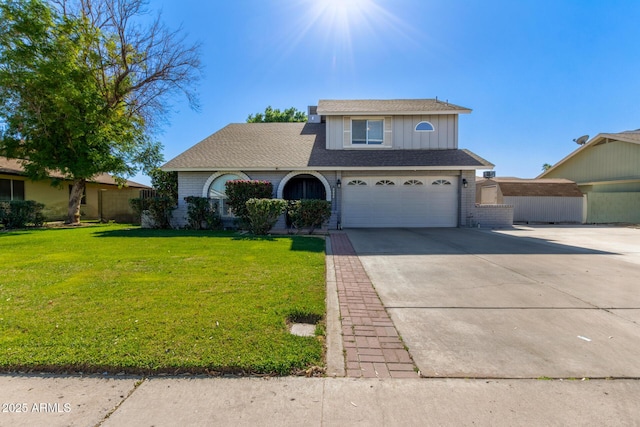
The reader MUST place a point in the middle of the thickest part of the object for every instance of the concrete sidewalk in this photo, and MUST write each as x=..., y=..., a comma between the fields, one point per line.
x=91, y=401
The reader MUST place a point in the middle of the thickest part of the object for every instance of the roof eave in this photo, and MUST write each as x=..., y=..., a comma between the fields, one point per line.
x=326, y=168
x=394, y=113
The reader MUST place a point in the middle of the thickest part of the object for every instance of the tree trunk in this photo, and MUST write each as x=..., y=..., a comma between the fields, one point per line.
x=75, y=198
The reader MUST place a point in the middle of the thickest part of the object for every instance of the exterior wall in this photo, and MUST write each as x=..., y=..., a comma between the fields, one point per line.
x=467, y=199
x=113, y=205
x=493, y=216
x=193, y=184
x=404, y=136
x=613, y=207
x=56, y=199
x=606, y=162
x=546, y=209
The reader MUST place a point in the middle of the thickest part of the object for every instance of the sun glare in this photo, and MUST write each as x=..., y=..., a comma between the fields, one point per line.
x=342, y=28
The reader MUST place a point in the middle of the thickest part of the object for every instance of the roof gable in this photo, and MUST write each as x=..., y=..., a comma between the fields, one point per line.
x=593, y=152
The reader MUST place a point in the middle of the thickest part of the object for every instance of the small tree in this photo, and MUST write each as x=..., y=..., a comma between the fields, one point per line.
x=263, y=214
x=239, y=191
x=165, y=183
x=309, y=213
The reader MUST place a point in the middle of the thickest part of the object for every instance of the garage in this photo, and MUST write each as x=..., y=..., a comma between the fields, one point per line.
x=407, y=201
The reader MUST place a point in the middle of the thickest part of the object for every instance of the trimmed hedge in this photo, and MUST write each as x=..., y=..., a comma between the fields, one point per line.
x=202, y=213
x=21, y=213
x=239, y=191
x=160, y=209
x=309, y=213
x=263, y=214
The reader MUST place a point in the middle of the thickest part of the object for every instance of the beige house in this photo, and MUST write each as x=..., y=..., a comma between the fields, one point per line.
x=102, y=200
x=381, y=163
x=607, y=171
x=534, y=200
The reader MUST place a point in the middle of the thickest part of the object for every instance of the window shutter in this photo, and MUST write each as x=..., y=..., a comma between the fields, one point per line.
x=346, y=127
x=388, y=131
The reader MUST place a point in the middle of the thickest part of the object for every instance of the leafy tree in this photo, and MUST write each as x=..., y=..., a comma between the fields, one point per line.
x=83, y=86
x=275, y=115
x=546, y=167
x=165, y=183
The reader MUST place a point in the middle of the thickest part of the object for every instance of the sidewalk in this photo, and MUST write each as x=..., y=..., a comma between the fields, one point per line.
x=295, y=401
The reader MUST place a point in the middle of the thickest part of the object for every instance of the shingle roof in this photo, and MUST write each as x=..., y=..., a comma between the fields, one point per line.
x=537, y=187
x=269, y=146
x=627, y=136
x=13, y=167
x=329, y=107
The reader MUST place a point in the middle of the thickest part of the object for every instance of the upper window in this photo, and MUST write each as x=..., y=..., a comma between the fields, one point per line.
x=217, y=192
x=11, y=189
x=424, y=126
x=369, y=132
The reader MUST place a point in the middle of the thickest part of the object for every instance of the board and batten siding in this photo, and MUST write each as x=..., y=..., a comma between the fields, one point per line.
x=605, y=162
x=402, y=128
x=546, y=209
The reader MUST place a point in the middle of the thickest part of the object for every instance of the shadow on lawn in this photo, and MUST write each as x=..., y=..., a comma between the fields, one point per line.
x=298, y=243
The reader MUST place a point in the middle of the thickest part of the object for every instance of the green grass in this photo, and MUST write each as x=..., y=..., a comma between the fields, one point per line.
x=113, y=298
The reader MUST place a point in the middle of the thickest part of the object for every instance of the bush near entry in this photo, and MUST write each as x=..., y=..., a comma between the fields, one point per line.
x=309, y=213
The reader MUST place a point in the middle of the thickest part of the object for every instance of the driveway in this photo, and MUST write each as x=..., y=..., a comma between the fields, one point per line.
x=528, y=302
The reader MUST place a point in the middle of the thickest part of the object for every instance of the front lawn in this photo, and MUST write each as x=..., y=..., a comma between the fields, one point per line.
x=113, y=298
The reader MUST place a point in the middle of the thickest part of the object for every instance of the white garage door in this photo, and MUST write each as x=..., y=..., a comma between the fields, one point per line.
x=400, y=201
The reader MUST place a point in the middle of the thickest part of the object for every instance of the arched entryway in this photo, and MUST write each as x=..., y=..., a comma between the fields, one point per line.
x=303, y=187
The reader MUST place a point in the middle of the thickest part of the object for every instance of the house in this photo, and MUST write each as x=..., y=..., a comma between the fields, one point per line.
x=381, y=163
x=607, y=171
x=103, y=199
x=534, y=200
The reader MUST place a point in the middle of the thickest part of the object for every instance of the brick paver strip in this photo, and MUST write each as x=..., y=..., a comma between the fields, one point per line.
x=371, y=342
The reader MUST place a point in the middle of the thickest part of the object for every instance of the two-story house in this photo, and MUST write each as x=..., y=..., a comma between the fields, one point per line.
x=382, y=163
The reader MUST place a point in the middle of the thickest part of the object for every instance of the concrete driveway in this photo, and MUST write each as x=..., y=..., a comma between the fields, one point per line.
x=528, y=302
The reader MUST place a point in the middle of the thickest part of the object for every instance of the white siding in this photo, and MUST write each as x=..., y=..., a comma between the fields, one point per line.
x=402, y=129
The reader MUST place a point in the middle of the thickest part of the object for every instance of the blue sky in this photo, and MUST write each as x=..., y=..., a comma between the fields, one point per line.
x=536, y=74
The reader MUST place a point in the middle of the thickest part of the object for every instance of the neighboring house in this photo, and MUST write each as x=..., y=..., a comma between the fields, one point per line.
x=607, y=171
x=382, y=163
x=102, y=199
x=534, y=200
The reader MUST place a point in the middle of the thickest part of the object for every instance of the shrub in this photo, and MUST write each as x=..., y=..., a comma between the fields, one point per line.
x=20, y=213
x=202, y=213
x=240, y=191
x=160, y=209
x=263, y=214
x=309, y=213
